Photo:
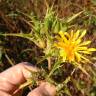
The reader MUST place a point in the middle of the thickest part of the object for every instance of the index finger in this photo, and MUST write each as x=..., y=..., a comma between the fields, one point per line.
x=14, y=76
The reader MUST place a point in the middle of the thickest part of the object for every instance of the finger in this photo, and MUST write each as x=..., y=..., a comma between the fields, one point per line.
x=44, y=89
x=14, y=76
x=4, y=94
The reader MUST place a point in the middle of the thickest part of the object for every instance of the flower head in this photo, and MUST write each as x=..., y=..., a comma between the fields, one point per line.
x=72, y=47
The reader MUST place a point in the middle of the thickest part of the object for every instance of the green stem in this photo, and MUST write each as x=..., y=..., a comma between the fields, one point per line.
x=9, y=60
x=60, y=86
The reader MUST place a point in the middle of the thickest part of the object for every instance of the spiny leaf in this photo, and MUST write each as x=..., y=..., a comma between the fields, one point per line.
x=80, y=67
x=42, y=59
x=55, y=67
x=73, y=17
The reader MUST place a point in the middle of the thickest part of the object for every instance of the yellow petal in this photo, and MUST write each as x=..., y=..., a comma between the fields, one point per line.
x=78, y=56
x=92, y=49
x=67, y=35
x=61, y=33
x=83, y=34
x=81, y=48
x=77, y=42
x=85, y=43
x=85, y=52
x=71, y=34
x=76, y=35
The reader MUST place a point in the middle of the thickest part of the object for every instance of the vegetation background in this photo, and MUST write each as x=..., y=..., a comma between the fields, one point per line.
x=14, y=49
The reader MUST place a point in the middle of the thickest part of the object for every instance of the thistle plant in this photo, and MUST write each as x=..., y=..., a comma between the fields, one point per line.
x=57, y=45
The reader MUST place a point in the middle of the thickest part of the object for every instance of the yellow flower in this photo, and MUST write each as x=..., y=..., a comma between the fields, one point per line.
x=72, y=47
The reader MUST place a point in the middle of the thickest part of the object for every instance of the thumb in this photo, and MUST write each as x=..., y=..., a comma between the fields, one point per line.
x=45, y=89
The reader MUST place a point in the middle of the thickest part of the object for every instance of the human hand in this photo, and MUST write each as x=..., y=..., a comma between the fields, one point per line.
x=16, y=75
